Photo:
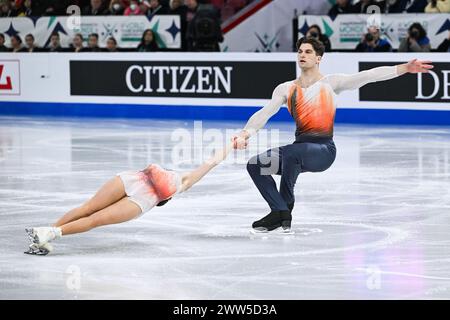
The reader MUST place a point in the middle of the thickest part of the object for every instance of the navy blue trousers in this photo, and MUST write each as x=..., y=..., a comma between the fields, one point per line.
x=288, y=161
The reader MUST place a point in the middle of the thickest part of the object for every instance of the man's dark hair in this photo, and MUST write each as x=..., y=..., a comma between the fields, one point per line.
x=18, y=38
x=94, y=35
x=29, y=35
x=55, y=34
x=2, y=36
x=318, y=46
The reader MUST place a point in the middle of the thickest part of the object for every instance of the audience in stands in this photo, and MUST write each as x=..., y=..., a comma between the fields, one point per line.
x=16, y=44
x=371, y=42
x=341, y=7
x=111, y=44
x=116, y=8
x=6, y=10
x=416, y=41
x=77, y=43
x=26, y=10
x=201, y=22
x=92, y=44
x=133, y=9
x=3, y=48
x=55, y=45
x=314, y=31
x=30, y=45
x=438, y=6
x=148, y=42
x=95, y=8
x=156, y=8
x=363, y=5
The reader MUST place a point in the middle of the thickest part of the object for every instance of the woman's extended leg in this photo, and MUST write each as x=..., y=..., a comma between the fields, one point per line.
x=111, y=192
x=121, y=211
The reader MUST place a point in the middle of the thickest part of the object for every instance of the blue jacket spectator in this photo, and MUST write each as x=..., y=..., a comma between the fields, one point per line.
x=371, y=42
x=417, y=40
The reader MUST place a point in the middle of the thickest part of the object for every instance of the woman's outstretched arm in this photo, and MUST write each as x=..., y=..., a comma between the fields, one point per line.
x=191, y=178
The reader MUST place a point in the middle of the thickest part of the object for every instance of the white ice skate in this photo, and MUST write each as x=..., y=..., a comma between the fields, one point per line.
x=39, y=251
x=43, y=235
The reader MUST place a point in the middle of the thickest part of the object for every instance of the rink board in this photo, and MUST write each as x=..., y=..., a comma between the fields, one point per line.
x=210, y=86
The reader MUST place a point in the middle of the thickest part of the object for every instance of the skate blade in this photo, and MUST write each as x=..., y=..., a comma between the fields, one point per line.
x=37, y=251
x=278, y=230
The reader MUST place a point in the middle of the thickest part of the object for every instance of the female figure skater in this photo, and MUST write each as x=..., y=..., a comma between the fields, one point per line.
x=311, y=100
x=124, y=197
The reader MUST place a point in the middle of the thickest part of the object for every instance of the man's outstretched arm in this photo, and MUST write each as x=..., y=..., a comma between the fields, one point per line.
x=341, y=82
x=260, y=118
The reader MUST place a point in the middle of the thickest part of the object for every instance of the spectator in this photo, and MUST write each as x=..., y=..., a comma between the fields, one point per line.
x=371, y=42
x=111, y=44
x=26, y=10
x=77, y=43
x=341, y=6
x=133, y=9
x=55, y=45
x=96, y=8
x=93, y=44
x=204, y=31
x=314, y=31
x=7, y=10
x=16, y=44
x=192, y=6
x=156, y=8
x=55, y=7
x=438, y=6
x=445, y=45
x=416, y=6
x=363, y=5
x=31, y=47
x=148, y=42
x=417, y=40
x=116, y=8
x=3, y=48
x=395, y=6
x=178, y=8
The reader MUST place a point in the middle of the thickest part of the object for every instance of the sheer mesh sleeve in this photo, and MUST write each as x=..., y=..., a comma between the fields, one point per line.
x=341, y=82
x=260, y=118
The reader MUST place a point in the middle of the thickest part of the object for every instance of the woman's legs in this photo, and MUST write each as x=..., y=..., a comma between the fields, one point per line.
x=121, y=211
x=111, y=192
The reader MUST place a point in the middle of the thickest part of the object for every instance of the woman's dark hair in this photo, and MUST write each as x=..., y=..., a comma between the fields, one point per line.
x=15, y=36
x=113, y=40
x=144, y=33
x=418, y=26
x=152, y=46
x=317, y=27
x=318, y=46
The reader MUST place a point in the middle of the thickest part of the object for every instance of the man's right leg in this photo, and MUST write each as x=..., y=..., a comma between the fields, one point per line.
x=261, y=168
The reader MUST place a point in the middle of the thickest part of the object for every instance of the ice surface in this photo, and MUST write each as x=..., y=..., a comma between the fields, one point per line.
x=376, y=225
